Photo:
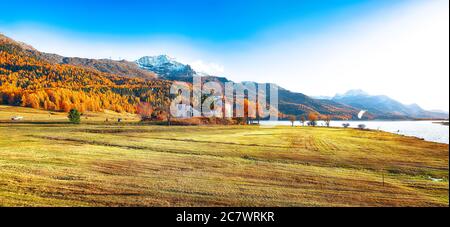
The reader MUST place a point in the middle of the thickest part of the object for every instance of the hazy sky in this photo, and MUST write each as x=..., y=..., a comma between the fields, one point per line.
x=397, y=48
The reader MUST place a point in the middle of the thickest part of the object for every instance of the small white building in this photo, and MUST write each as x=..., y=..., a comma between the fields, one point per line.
x=185, y=111
x=16, y=118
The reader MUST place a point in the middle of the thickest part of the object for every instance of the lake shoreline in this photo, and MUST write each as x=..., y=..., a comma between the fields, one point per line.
x=424, y=130
x=445, y=123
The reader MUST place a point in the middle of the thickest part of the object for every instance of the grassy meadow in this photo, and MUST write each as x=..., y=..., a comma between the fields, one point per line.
x=47, y=162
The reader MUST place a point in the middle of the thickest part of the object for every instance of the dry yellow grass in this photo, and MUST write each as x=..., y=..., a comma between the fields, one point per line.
x=130, y=165
x=33, y=115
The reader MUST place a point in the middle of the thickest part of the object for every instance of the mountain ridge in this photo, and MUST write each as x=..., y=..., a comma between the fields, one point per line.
x=163, y=67
x=121, y=68
x=385, y=106
x=290, y=103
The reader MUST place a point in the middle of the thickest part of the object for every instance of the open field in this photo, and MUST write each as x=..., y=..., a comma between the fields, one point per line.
x=99, y=164
x=33, y=115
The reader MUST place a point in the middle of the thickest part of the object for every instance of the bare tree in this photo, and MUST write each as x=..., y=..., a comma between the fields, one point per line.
x=302, y=120
x=328, y=120
x=292, y=119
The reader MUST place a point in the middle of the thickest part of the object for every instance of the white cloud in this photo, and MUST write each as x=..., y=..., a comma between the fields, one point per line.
x=208, y=68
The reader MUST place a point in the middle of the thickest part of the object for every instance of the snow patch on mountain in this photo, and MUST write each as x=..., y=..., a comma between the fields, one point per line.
x=159, y=62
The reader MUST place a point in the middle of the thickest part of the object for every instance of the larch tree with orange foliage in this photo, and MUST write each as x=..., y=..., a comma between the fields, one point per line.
x=145, y=111
x=312, y=118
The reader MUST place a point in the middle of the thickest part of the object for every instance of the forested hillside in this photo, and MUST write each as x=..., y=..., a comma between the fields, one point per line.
x=27, y=79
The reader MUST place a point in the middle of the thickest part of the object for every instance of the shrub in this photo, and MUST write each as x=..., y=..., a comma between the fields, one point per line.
x=74, y=116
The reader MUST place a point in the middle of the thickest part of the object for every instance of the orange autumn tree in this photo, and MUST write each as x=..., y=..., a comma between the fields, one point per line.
x=145, y=111
x=312, y=118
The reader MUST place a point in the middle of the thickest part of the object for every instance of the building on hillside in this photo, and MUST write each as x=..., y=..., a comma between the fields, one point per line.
x=187, y=111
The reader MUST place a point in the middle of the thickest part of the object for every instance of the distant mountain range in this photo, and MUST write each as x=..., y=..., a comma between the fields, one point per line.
x=341, y=106
x=290, y=103
x=163, y=67
x=385, y=107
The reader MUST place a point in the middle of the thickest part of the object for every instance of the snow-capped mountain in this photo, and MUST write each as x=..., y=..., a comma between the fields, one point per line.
x=170, y=69
x=166, y=67
x=160, y=61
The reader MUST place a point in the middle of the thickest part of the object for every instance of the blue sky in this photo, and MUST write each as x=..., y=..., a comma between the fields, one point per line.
x=210, y=20
x=315, y=47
